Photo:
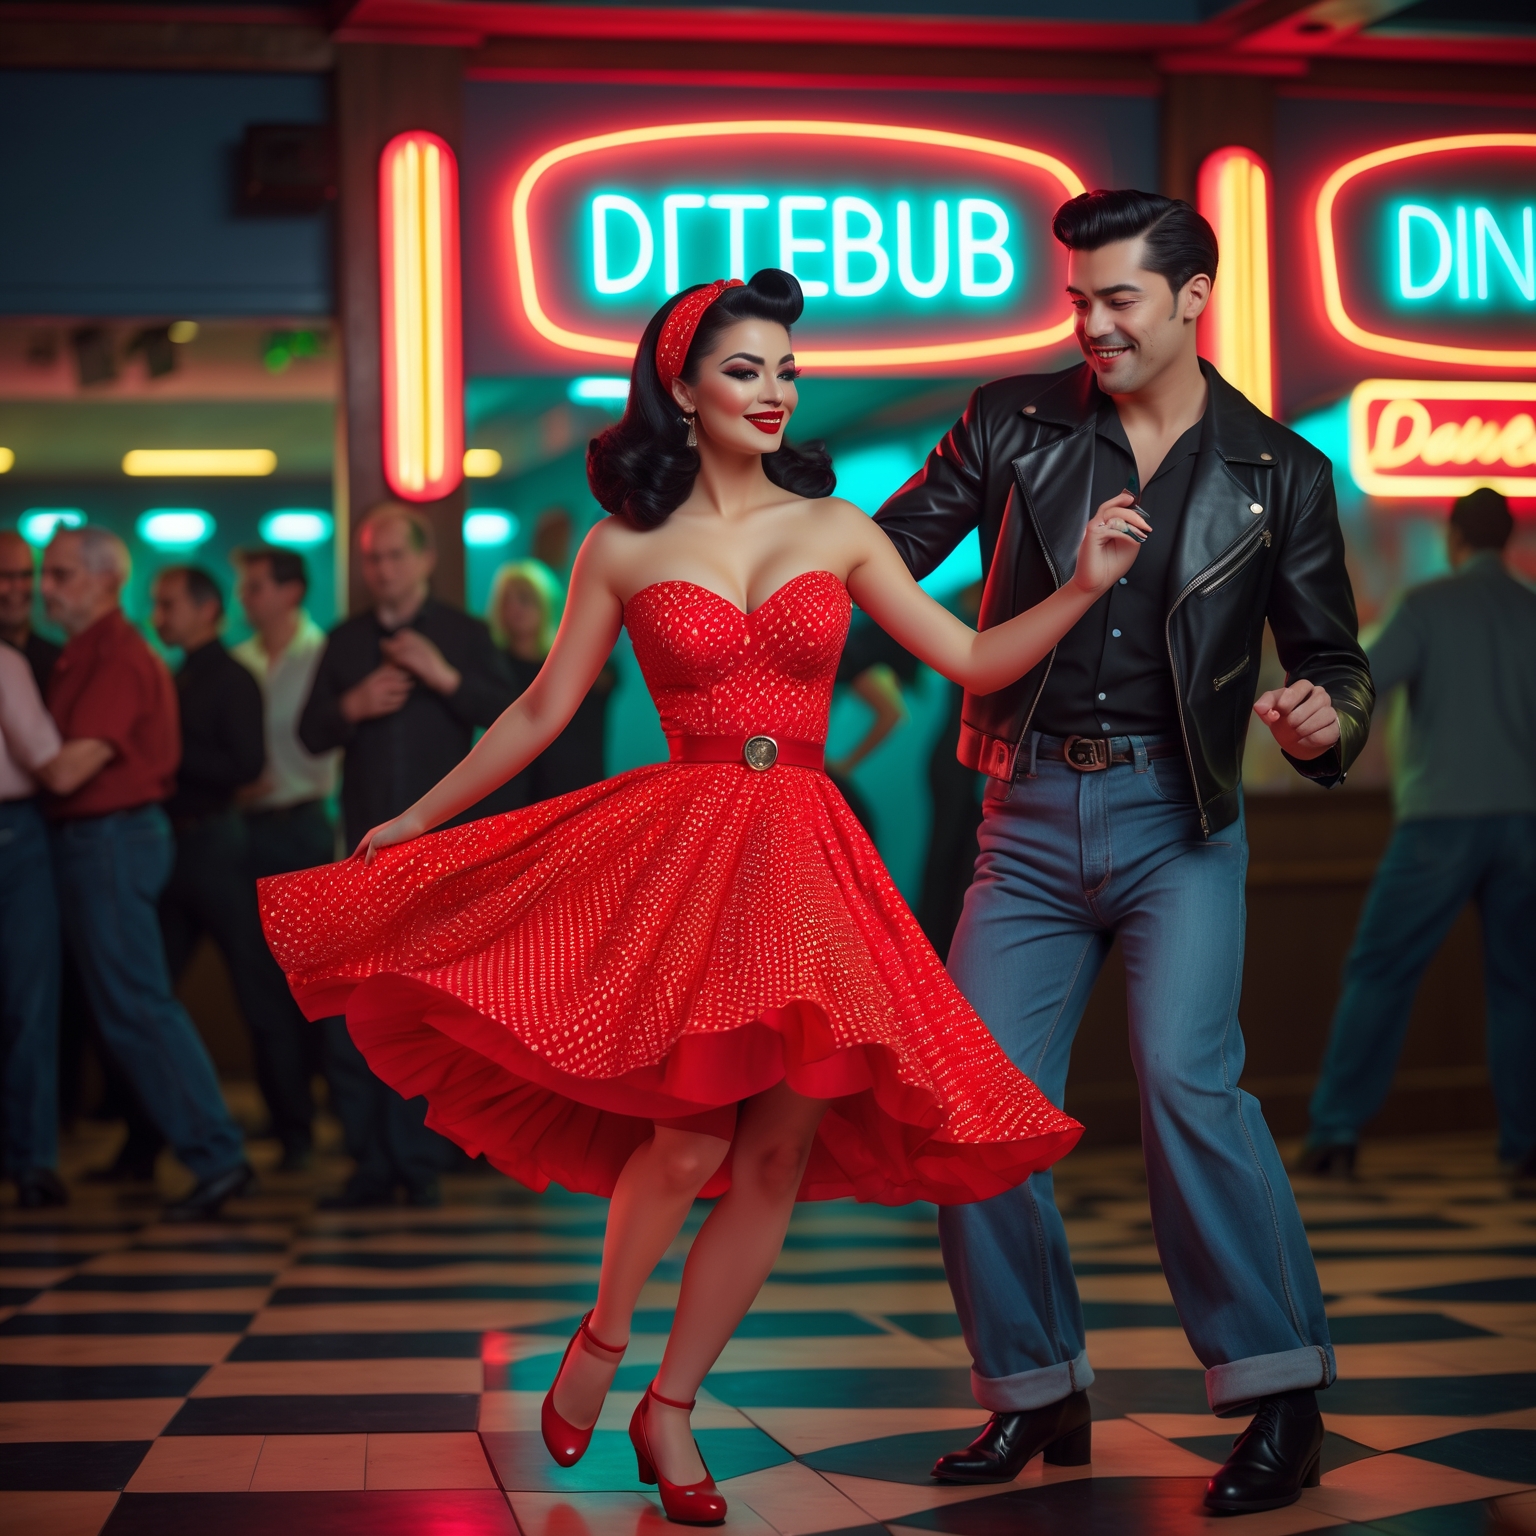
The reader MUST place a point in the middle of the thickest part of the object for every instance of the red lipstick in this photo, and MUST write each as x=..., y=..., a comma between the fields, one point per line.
x=768, y=421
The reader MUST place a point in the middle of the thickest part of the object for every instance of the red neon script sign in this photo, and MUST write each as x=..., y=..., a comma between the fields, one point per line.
x=1413, y=438
x=915, y=246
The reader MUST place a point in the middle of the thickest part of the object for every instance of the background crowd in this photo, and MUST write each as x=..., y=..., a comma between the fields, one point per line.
x=138, y=808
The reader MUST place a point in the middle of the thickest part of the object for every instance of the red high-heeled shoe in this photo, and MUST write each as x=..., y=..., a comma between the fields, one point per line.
x=691, y=1503
x=565, y=1442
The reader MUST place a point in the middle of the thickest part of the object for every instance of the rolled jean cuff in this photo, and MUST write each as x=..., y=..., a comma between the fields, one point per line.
x=1033, y=1388
x=1236, y=1386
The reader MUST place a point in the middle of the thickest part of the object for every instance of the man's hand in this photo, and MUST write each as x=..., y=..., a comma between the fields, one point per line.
x=75, y=764
x=382, y=692
x=1300, y=717
x=410, y=649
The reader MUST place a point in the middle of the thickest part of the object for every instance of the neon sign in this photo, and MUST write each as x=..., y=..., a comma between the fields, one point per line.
x=419, y=294
x=1428, y=250
x=914, y=246
x=1237, y=328
x=1410, y=438
x=1419, y=279
x=983, y=267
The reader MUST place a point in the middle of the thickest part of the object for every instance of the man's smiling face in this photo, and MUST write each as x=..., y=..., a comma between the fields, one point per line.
x=1130, y=323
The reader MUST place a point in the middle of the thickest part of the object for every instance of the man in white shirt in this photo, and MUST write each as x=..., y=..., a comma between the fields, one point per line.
x=290, y=826
x=29, y=942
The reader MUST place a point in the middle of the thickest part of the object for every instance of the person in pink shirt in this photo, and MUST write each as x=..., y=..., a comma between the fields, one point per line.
x=29, y=942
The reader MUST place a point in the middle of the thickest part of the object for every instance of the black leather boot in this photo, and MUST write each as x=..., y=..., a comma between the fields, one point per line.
x=1063, y=1430
x=207, y=1200
x=1278, y=1455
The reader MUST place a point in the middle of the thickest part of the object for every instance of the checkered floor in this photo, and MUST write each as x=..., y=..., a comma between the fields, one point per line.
x=291, y=1373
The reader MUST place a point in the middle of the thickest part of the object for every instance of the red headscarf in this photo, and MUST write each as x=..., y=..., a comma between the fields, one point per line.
x=678, y=329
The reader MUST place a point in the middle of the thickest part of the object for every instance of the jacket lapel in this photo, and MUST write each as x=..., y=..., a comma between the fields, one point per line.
x=1055, y=480
x=1056, y=484
x=1219, y=510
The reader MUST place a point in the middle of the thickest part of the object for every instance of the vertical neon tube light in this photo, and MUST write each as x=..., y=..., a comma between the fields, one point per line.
x=1237, y=328
x=419, y=290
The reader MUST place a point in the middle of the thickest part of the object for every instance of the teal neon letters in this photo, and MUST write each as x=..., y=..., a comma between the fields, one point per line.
x=839, y=246
x=1433, y=248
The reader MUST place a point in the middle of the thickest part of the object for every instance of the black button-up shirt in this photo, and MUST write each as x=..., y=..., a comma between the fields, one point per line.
x=391, y=761
x=223, y=742
x=1111, y=675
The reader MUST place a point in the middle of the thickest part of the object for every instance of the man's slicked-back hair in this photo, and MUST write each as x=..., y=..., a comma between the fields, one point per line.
x=1179, y=243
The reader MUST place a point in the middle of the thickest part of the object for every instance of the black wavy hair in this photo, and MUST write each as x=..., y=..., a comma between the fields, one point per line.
x=642, y=469
x=1179, y=242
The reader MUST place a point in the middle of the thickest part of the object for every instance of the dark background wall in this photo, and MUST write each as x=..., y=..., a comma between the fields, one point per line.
x=120, y=196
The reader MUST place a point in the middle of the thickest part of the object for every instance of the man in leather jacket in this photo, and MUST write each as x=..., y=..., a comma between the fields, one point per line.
x=1114, y=808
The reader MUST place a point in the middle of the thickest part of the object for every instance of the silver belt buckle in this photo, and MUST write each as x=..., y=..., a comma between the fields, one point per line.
x=1087, y=754
x=760, y=753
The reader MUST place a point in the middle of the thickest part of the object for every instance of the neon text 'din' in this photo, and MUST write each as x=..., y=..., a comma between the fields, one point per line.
x=1451, y=248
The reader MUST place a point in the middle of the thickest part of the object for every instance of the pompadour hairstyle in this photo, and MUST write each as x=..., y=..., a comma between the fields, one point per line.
x=1179, y=243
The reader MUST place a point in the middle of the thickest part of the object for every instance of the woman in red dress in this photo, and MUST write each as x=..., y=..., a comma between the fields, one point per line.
x=695, y=978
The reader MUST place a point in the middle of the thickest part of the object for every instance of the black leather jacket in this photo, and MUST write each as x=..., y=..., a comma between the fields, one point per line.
x=1259, y=539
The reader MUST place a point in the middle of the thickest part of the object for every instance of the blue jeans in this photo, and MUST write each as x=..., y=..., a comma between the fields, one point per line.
x=111, y=871
x=29, y=991
x=1068, y=861
x=1430, y=871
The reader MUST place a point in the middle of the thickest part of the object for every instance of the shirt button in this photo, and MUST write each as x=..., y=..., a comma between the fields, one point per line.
x=1122, y=581
x=1104, y=726
x=1103, y=696
x=1115, y=633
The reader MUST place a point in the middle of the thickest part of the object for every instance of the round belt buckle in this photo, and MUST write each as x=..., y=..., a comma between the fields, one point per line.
x=760, y=753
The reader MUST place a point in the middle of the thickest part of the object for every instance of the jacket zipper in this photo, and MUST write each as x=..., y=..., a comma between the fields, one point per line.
x=1050, y=660
x=1235, y=560
x=1265, y=537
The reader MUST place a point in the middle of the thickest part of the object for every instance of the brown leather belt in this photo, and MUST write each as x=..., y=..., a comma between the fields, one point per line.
x=758, y=752
x=1090, y=754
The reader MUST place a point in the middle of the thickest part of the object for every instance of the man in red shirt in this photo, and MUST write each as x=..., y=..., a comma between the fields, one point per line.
x=115, y=706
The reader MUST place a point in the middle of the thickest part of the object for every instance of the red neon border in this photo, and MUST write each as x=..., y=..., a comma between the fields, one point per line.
x=842, y=357
x=1333, y=298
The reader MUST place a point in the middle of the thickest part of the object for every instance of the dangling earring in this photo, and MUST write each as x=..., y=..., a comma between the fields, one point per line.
x=693, y=434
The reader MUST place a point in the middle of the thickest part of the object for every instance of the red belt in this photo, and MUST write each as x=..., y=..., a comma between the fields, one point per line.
x=759, y=752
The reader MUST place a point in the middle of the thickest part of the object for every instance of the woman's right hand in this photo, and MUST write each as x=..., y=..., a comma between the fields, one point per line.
x=1109, y=548
x=386, y=835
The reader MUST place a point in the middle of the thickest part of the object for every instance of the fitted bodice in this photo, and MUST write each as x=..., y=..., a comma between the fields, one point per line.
x=716, y=671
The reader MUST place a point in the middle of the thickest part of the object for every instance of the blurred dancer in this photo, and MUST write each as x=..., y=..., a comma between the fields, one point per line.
x=211, y=889
x=29, y=942
x=115, y=706
x=401, y=690
x=1465, y=648
x=16, y=586
x=524, y=613
x=285, y=812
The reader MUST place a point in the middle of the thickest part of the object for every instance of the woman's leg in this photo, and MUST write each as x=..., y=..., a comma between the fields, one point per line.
x=650, y=1202
x=730, y=1258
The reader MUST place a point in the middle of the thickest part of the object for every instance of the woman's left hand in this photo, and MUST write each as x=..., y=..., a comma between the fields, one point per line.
x=386, y=835
x=1110, y=544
